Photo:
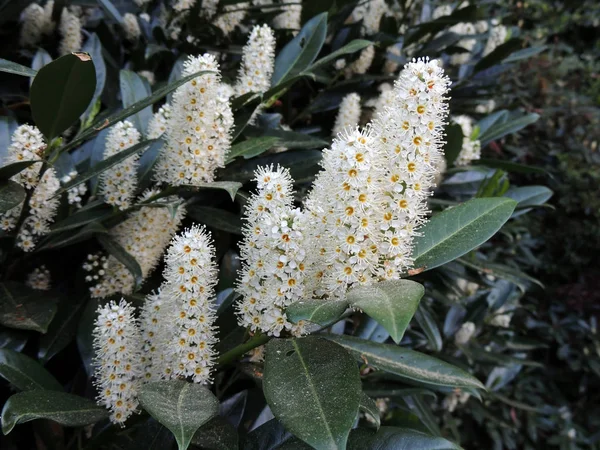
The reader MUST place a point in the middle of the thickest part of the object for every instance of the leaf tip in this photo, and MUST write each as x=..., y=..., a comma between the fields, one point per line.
x=83, y=56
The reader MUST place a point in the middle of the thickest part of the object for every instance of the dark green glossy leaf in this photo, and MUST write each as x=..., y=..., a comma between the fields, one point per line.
x=66, y=409
x=321, y=312
x=499, y=54
x=252, y=147
x=510, y=126
x=392, y=438
x=61, y=92
x=24, y=373
x=180, y=406
x=11, y=195
x=12, y=169
x=453, y=145
x=115, y=249
x=430, y=328
x=526, y=53
x=352, y=47
x=509, y=166
x=216, y=218
x=529, y=195
x=25, y=308
x=301, y=51
x=392, y=303
x=61, y=331
x=81, y=218
x=217, y=434
x=458, y=230
x=110, y=9
x=368, y=406
x=85, y=337
x=67, y=238
x=17, y=69
x=409, y=365
x=133, y=89
x=293, y=140
x=313, y=387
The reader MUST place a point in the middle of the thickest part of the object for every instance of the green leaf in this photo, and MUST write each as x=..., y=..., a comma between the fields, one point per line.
x=458, y=230
x=61, y=331
x=25, y=308
x=110, y=9
x=466, y=14
x=521, y=279
x=61, y=92
x=251, y=147
x=180, y=406
x=509, y=166
x=134, y=89
x=526, y=53
x=392, y=438
x=293, y=140
x=392, y=303
x=217, y=434
x=510, y=126
x=115, y=249
x=12, y=169
x=412, y=367
x=216, y=218
x=67, y=238
x=301, y=51
x=66, y=409
x=81, y=218
x=7, y=127
x=85, y=338
x=428, y=325
x=93, y=46
x=230, y=186
x=321, y=312
x=529, y=195
x=352, y=47
x=104, y=165
x=368, y=406
x=499, y=55
x=11, y=194
x=25, y=373
x=454, y=142
x=17, y=69
x=313, y=387
x=40, y=59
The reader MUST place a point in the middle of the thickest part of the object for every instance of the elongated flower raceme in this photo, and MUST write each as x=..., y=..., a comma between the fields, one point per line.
x=290, y=17
x=258, y=62
x=498, y=36
x=32, y=19
x=70, y=31
x=199, y=129
x=131, y=27
x=467, y=43
x=156, y=325
x=27, y=144
x=471, y=148
x=362, y=64
x=144, y=236
x=410, y=141
x=273, y=255
x=231, y=17
x=189, y=288
x=118, y=183
x=158, y=124
x=370, y=13
x=348, y=115
x=117, y=346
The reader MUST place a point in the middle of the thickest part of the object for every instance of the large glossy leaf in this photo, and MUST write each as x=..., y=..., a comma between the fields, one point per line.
x=252, y=147
x=24, y=373
x=133, y=89
x=529, y=195
x=40, y=59
x=499, y=54
x=321, y=312
x=61, y=332
x=301, y=51
x=271, y=435
x=411, y=366
x=392, y=438
x=313, y=387
x=458, y=230
x=216, y=434
x=351, y=47
x=14, y=168
x=17, y=69
x=511, y=125
x=61, y=92
x=216, y=218
x=392, y=303
x=466, y=14
x=509, y=166
x=115, y=249
x=25, y=308
x=83, y=217
x=93, y=46
x=66, y=409
x=180, y=406
x=11, y=195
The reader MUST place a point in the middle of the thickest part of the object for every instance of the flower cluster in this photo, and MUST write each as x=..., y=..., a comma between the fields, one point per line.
x=370, y=13
x=273, y=252
x=231, y=17
x=39, y=279
x=362, y=64
x=131, y=27
x=119, y=182
x=27, y=144
x=498, y=36
x=258, y=62
x=385, y=100
x=155, y=323
x=468, y=42
x=117, y=345
x=70, y=31
x=37, y=21
x=144, y=236
x=159, y=122
x=465, y=333
x=348, y=115
x=76, y=193
x=199, y=129
x=290, y=17
x=471, y=148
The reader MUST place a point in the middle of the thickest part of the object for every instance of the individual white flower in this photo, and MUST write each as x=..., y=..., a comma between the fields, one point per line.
x=117, y=346
x=159, y=122
x=27, y=144
x=118, y=183
x=39, y=279
x=498, y=36
x=70, y=31
x=410, y=140
x=131, y=27
x=391, y=66
x=465, y=333
x=144, y=235
x=199, y=129
x=189, y=288
x=290, y=17
x=348, y=115
x=32, y=20
x=258, y=62
x=362, y=64
x=231, y=17
x=340, y=64
x=273, y=255
x=467, y=43
x=76, y=193
x=471, y=148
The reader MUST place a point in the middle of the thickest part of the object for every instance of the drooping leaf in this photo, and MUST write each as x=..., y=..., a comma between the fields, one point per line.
x=510, y=126
x=252, y=147
x=66, y=409
x=61, y=92
x=61, y=332
x=321, y=312
x=529, y=195
x=352, y=47
x=392, y=303
x=25, y=308
x=525, y=53
x=17, y=69
x=24, y=373
x=82, y=218
x=14, y=168
x=11, y=195
x=133, y=89
x=301, y=51
x=458, y=230
x=392, y=438
x=115, y=249
x=313, y=387
x=411, y=366
x=180, y=406
x=499, y=54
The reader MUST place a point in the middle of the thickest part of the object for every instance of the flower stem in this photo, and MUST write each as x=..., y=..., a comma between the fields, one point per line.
x=256, y=341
